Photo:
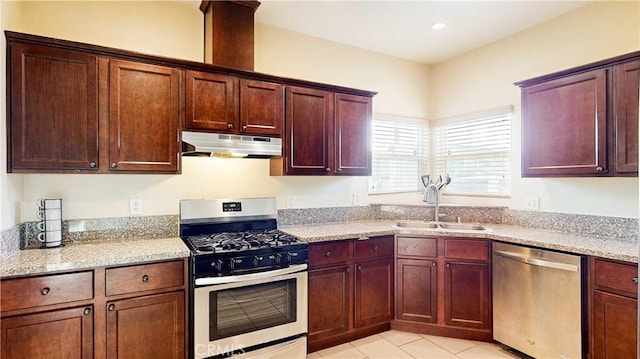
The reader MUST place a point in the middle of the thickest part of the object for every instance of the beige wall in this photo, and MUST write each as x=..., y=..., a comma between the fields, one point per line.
x=174, y=29
x=591, y=33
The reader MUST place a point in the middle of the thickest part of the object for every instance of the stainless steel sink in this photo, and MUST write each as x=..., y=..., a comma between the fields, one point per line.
x=431, y=225
x=463, y=226
x=443, y=226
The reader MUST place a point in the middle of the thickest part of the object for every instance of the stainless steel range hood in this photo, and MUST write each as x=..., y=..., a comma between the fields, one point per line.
x=232, y=146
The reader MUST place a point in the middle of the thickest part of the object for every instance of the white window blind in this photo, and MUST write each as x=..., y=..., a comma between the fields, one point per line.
x=399, y=156
x=475, y=152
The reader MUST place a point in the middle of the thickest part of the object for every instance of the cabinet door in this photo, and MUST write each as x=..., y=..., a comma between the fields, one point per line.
x=373, y=293
x=615, y=332
x=627, y=82
x=564, y=126
x=308, y=131
x=211, y=102
x=353, y=135
x=261, y=108
x=146, y=327
x=467, y=295
x=144, y=119
x=329, y=301
x=53, y=122
x=59, y=334
x=417, y=290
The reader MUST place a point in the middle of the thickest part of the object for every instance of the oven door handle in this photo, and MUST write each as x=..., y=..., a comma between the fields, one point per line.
x=250, y=277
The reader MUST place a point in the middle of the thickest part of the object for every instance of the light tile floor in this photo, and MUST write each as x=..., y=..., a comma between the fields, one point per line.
x=401, y=345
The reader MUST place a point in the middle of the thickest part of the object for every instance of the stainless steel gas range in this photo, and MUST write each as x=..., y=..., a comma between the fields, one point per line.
x=248, y=280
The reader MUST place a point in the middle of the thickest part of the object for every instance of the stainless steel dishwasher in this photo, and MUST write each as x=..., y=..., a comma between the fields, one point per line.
x=538, y=301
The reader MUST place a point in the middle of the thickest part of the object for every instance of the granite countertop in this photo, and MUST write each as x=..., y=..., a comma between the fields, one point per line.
x=605, y=247
x=89, y=254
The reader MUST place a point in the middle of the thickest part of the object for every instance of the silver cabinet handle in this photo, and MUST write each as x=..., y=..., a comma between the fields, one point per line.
x=600, y=169
x=359, y=267
x=328, y=254
x=634, y=280
x=114, y=165
x=45, y=290
x=434, y=264
x=339, y=169
x=375, y=248
x=244, y=128
x=86, y=311
x=93, y=165
x=145, y=278
x=111, y=307
x=348, y=270
x=328, y=169
x=230, y=126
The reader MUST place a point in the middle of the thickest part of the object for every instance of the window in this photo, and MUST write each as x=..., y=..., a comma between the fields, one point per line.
x=399, y=155
x=475, y=151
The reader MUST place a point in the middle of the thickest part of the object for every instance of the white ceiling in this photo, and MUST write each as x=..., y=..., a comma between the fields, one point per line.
x=403, y=28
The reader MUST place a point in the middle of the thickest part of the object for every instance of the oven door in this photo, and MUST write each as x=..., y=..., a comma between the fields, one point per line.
x=237, y=313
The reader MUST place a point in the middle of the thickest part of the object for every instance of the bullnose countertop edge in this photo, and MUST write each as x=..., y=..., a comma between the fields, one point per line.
x=91, y=254
x=605, y=247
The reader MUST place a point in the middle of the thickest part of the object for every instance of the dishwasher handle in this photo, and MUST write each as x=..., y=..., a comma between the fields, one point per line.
x=536, y=261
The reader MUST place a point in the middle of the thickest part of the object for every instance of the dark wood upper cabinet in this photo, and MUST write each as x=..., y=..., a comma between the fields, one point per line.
x=144, y=117
x=227, y=104
x=564, y=126
x=308, y=131
x=211, y=102
x=582, y=121
x=353, y=135
x=261, y=108
x=53, y=122
x=326, y=133
x=627, y=83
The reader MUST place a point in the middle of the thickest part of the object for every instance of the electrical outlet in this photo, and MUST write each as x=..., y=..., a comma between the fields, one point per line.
x=532, y=203
x=135, y=206
x=77, y=225
x=356, y=199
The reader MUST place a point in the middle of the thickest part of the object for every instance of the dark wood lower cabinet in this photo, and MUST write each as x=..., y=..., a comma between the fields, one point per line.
x=444, y=287
x=350, y=290
x=373, y=293
x=126, y=312
x=614, y=327
x=417, y=290
x=57, y=334
x=467, y=294
x=329, y=301
x=146, y=327
x=614, y=309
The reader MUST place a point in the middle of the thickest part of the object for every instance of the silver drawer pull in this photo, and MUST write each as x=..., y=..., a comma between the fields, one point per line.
x=45, y=290
x=328, y=254
x=145, y=278
x=111, y=307
x=634, y=280
x=86, y=311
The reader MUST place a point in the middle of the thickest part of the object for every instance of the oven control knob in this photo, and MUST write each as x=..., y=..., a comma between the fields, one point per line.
x=232, y=264
x=292, y=256
x=256, y=260
x=278, y=258
x=217, y=264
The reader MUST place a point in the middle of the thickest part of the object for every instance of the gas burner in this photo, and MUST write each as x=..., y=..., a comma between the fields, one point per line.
x=236, y=241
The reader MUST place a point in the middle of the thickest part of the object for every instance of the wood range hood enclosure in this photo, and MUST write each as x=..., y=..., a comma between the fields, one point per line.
x=229, y=33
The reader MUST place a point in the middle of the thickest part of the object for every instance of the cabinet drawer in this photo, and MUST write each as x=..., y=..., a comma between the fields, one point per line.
x=473, y=249
x=376, y=247
x=417, y=247
x=330, y=253
x=616, y=277
x=45, y=290
x=144, y=277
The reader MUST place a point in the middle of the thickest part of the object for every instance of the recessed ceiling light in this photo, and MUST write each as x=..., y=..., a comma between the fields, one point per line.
x=438, y=26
